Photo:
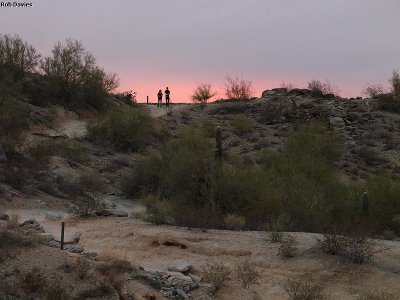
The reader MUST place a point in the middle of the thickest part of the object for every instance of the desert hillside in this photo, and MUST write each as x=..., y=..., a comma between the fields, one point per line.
x=60, y=170
x=292, y=195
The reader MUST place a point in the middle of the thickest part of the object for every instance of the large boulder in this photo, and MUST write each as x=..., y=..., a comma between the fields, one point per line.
x=337, y=123
x=273, y=92
x=179, y=265
x=299, y=92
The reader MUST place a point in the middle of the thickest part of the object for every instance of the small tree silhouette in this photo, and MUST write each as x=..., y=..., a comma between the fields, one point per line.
x=203, y=93
x=238, y=89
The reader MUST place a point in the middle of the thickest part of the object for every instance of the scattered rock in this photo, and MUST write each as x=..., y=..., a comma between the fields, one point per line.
x=337, y=123
x=47, y=236
x=52, y=217
x=194, y=277
x=182, y=294
x=299, y=92
x=179, y=265
x=178, y=275
x=32, y=223
x=91, y=255
x=55, y=244
x=76, y=249
x=51, y=135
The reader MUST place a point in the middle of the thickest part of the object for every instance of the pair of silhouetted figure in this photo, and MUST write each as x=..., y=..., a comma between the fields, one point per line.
x=160, y=95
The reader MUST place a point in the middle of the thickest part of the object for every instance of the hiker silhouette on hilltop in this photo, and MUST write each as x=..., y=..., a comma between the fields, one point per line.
x=159, y=97
x=167, y=99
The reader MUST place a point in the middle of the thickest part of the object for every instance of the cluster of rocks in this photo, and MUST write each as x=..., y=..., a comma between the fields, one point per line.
x=177, y=282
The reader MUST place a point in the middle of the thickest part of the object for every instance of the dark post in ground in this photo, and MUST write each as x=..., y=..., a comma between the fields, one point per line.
x=62, y=236
x=147, y=99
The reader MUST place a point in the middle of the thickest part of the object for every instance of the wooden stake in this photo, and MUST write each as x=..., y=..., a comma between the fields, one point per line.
x=62, y=236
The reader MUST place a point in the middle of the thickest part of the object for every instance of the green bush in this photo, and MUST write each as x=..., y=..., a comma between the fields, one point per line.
x=384, y=200
x=40, y=154
x=143, y=178
x=13, y=117
x=74, y=151
x=298, y=182
x=242, y=124
x=74, y=77
x=158, y=210
x=17, y=57
x=388, y=103
x=124, y=129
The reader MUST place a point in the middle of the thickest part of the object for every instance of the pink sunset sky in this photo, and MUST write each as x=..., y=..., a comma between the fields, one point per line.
x=152, y=44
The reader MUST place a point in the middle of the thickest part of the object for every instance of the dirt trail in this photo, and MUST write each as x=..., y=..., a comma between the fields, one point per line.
x=73, y=128
x=157, y=112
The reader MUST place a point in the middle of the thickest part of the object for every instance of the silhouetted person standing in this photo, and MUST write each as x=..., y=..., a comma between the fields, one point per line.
x=159, y=97
x=167, y=92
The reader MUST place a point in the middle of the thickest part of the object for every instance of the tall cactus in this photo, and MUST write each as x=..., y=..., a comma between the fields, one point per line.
x=218, y=141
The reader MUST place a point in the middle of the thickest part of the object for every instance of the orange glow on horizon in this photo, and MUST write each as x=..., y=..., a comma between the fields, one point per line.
x=181, y=91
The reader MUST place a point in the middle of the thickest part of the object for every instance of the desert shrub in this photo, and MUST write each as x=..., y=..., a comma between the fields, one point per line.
x=333, y=244
x=34, y=281
x=238, y=89
x=55, y=292
x=246, y=274
x=395, y=81
x=359, y=251
x=82, y=267
x=242, y=124
x=158, y=210
x=234, y=221
x=208, y=128
x=302, y=177
x=144, y=177
x=73, y=75
x=216, y=274
x=350, y=242
x=123, y=129
x=128, y=97
x=287, y=85
x=373, y=90
x=303, y=289
x=40, y=154
x=90, y=182
x=231, y=107
x=74, y=151
x=287, y=247
x=203, y=93
x=15, y=177
x=275, y=228
x=114, y=265
x=369, y=155
x=388, y=103
x=384, y=202
x=86, y=206
x=13, y=117
x=319, y=88
x=17, y=57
